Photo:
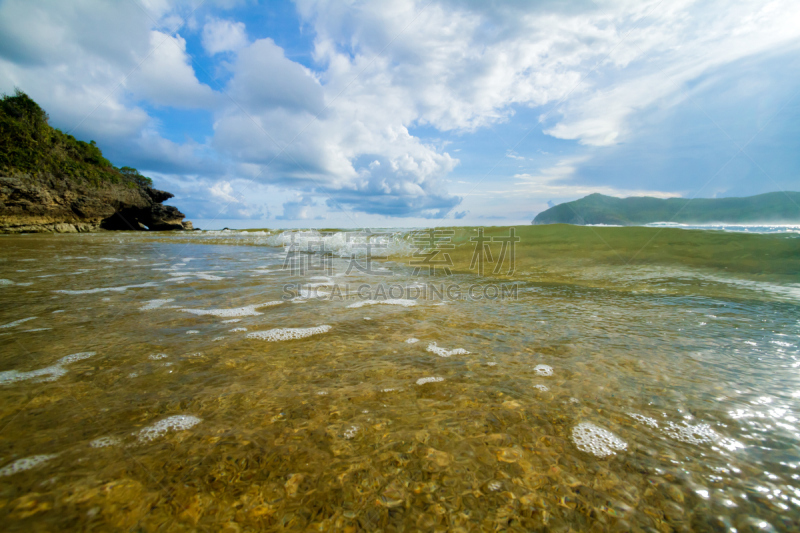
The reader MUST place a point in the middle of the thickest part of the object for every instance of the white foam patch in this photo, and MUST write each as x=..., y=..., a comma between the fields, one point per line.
x=543, y=370
x=423, y=381
x=158, y=356
x=234, y=330
x=542, y=388
x=192, y=332
x=596, y=440
x=351, y=432
x=50, y=373
x=110, y=289
x=441, y=352
x=652, y=422
x=285, y=334
x=6, y=282
x=173, y=423
x=207, y=277
x=305, y=293
x=412, y=340
x=248, y=310
x=75, y=357
x=16, y=322
x=25, y=463
x=691, y=434
x=155, y=304
x=35, y=329
x=104, y=442
x=232, y=321
x=391, y=301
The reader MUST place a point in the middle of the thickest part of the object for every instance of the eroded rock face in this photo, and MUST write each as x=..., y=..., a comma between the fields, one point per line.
x=49, y=204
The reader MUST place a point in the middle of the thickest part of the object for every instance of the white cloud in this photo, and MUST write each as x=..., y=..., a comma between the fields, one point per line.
x=554, y=182
x=223, y=36
x=265, y=79
x=301, y=134
x=166, y=76
x=461, y=66
x=223, y=190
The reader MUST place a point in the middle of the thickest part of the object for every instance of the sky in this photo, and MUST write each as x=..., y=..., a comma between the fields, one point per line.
x=406, y=113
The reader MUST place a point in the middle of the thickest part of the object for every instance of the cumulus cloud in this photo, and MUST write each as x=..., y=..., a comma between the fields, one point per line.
x=223, y=36
x=165, y=77
x=355, y=148
x=464, y=65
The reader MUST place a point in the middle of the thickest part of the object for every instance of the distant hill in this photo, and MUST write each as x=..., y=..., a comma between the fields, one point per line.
x=773, y=207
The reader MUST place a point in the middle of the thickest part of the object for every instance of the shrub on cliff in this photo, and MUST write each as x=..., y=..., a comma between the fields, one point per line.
x=28, y=144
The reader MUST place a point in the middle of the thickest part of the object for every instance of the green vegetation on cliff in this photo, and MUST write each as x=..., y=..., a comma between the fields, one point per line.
x=29, y=145
x=774, y=207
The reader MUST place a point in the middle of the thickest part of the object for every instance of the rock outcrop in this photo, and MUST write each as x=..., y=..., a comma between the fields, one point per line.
x=46, y=203
x=52, y=182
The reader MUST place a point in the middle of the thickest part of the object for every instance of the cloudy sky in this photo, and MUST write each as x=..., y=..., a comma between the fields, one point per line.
x=384, y=113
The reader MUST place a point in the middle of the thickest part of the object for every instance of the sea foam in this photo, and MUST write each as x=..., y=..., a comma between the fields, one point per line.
x=50, y=373
x=17, y=322
x=391, y=301
x=26, y=463
x=652, y=422
x=103, y=442
x=285, y=334
x=155, y=304
x=110, y=289
x=691, y=434
x=173, y=423
x=596, y=440
x=441, y=352
x=248, y=310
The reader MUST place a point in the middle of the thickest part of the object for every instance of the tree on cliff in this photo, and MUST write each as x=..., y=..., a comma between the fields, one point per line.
x=28, y=144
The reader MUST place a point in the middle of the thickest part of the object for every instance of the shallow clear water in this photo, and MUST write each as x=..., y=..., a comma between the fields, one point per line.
x=134, y=394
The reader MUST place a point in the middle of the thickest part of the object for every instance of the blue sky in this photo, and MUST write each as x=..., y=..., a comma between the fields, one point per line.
x=317, y=113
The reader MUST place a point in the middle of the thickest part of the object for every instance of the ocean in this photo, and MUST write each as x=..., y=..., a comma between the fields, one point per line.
x=547, y=378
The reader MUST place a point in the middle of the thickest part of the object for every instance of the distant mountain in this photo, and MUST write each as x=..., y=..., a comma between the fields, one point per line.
x=773, y=207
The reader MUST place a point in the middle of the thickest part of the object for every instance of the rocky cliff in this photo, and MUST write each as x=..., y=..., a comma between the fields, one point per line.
x=52, y=182
x=46, y=203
